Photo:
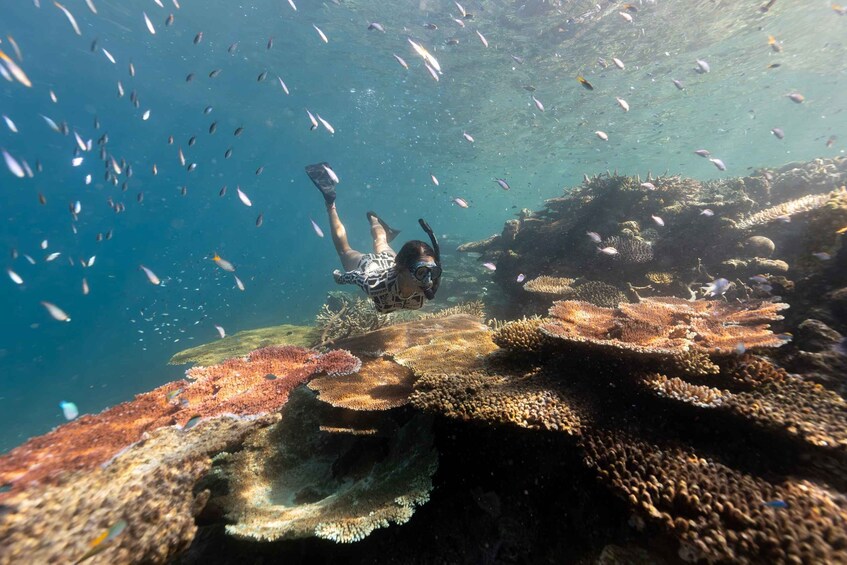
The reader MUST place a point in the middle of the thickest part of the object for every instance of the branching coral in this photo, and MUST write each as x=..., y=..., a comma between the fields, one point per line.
x=344, y=315
x=256, y=384
x=522, y=335
x=293, y=481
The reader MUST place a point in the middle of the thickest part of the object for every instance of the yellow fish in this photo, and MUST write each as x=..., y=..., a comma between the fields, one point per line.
x=103, y=540
x=842, y=230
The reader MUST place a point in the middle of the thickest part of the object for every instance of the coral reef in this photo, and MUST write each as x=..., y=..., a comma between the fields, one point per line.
x=256, y=384
x=150, y=485
x=244, y=342
x=294, y=480
x=553, y=286
x=379, y=385
x=785, y=210
x=344, y=315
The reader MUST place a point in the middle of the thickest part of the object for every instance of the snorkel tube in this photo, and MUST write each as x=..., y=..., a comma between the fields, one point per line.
x=430, y=292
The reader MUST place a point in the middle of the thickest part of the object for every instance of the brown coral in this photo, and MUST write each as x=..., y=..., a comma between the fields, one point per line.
x=379, y=385
x=256, y=384
x=553, y=286
x=150, y=486
x=293, y=481
x=786, y=209
x=665, y=326
x=522, y=335
x=678, y=389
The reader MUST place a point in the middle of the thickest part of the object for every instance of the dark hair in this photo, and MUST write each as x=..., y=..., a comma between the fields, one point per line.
x=411, y=253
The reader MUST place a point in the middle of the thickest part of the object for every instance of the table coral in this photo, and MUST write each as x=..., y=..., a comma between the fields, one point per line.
x=379, y=385
x=238, y=386
x=244, y=342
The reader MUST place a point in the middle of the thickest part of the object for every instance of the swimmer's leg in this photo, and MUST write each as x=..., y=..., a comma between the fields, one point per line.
x=381, y=233
x=349, y=256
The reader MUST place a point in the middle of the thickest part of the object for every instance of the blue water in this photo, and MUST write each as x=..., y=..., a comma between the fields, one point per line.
x=394, y=127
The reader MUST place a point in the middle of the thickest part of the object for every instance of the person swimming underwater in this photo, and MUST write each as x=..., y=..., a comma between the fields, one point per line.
x=394, y=281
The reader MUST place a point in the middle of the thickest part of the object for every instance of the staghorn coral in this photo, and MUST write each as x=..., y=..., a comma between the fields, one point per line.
x=631, y=250
x=661, y=278
x=474, y=308
x=379, y=385
x=292, y=480
x=344, y=315
x=678, y=389
x=786, y=209
x=244, y=342
x=150, y=485
x=598, y=293
x=553, y=286
x=237, y=386
x=665, y=326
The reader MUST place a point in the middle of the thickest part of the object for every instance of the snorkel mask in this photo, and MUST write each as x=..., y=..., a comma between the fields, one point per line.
x=426, y=272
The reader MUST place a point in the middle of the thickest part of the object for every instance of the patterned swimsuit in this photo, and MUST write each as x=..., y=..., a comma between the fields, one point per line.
x=376, y=274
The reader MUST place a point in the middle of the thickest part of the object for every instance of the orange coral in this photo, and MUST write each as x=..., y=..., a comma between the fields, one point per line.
x=258, y=383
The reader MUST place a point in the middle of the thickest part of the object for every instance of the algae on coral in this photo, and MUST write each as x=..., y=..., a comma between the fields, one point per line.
x=244, y=342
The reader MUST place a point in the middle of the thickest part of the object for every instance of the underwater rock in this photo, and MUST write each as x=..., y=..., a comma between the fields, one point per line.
x=815, y=336
x=293, y=480
x=244, y=342
x=150, y=486
x=758, y=246
x=769, y=266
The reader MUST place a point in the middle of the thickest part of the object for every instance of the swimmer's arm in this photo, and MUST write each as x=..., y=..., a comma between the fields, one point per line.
x=345, y=278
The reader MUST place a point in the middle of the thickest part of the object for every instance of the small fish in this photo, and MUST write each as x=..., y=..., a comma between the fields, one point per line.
x=326, y=124
x=16, y=278
x=317, y=228
x=718, y=163
x=77, y=161
x=260, y=219
x=53, y=125
x=822, y=255
x=529, y=88
x=207, y=110
x=503, y=184
x=238, y=283
x=260, y=170
x=594, y=236
x=55, y=312
x=778, y=133
x=584, y=82
x=774, y=66
x=840, y=10
x=132, y=74
x=332, y=174
x=189, y=77
x=775, y=45
x=717, y=287
x=776, y=504
x=221, y=331
x=648, y=185
x=482, y=38
x=146, y=115
x=223, y=263
x=262, y=76
x=623, y=104
x=702, y=152
x=270, y=44
x=432, y=72
x=149, y=24
x=610, y=251
x=618, y=63
x=291, y=3
x=44, y=244
x=841, y=230
x=104, y=540
x=169, y=20
x=85, y=289
x=193, y=421
x=70, y=17
x=198, y=38
x=69, y=410
x=538, y=104
x=243, y=197
x=518, y=60
x=703, y=66
x=431, y=26
x=321, y=34
x=468, y=136
x=213, y=127
x=312, y=120
x=232, y=48
x=831, y=141
x=52, y=257
x=109, y=56
x=16, y=71
x=10, y=124
x=151, y=276
x=215, y=73
x=490, y=266
x=238, y=131
x=222, y=191
x=602, y=135
x=625, y=16
x=678, y=84
x=282, y=84
x=434, y=180
x=461, y=202
x=228, y=153
x=659, y=221
x=707, y=212
x=796, y=97
x=377, y=26
x=400, y=60
x=13, y=166
x=173, y=394
x=740, y=349
x=765, y=7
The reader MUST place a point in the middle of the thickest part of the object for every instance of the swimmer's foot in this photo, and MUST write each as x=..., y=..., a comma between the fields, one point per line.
x=320, y=177
x=390, y=233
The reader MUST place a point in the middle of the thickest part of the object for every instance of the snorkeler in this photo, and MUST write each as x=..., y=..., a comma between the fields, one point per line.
x=394, y=281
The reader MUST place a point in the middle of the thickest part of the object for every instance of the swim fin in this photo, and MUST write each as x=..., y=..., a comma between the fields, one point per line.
x=320, y=177
x=390, y=233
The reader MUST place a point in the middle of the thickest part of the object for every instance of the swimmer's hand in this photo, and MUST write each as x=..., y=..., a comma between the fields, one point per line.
x=336, y=274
